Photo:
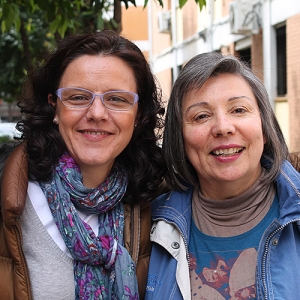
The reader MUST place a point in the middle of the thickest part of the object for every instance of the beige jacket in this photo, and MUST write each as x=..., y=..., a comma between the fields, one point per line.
x=14, y=279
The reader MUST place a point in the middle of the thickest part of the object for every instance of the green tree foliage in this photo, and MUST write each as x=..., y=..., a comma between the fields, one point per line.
x=19, y=49
x=30, y=27
x=201, y=3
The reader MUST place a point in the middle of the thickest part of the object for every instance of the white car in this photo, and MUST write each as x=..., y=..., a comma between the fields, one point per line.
x=9, y=129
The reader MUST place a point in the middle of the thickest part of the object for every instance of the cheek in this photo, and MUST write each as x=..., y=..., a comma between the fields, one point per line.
x=260, y=137
x=194, y=135
x=194, y=141
x=67, y=120
x=125, y=123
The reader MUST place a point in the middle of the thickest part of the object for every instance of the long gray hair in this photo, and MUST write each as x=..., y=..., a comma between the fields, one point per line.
x=195, y=73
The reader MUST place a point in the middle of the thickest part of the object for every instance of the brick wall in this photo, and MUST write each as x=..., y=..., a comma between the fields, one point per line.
x=257, y=56
x=293, y=79
x=189, y=19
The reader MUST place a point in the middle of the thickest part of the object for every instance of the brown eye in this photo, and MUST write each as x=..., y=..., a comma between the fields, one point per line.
x=201, y=117
x=78, y=98
x=116, y=99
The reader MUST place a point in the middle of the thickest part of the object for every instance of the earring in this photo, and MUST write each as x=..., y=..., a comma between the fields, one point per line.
x=55, y=120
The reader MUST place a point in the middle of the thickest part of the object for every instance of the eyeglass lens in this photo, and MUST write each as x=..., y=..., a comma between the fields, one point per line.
x=115, y=100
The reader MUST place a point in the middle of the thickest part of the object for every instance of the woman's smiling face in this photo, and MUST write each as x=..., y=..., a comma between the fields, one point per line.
x=95, y=136
x=223, y=136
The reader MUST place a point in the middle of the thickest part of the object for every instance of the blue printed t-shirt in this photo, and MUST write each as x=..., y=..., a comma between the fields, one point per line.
x=224, y=267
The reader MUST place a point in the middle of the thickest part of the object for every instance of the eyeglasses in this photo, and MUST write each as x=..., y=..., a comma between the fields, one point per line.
x=81, y=98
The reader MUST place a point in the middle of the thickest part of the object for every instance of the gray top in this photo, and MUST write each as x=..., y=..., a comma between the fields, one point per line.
x=50, y=269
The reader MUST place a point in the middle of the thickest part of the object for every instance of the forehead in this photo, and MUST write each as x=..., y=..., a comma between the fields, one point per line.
x=106, y=62
x=219, y=87
x=99, y=73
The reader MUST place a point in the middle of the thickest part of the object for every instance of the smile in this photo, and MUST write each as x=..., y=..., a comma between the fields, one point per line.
x=227, y=152
x=95, y=132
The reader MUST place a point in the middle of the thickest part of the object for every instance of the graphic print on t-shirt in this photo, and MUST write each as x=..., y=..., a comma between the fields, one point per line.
x=229, y=277
x=223, y=268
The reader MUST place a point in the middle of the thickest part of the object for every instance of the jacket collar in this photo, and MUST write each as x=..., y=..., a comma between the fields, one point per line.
x=288, y=191
x=175, y=207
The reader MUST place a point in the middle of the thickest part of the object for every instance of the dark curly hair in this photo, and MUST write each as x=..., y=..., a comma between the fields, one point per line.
x=142, y=156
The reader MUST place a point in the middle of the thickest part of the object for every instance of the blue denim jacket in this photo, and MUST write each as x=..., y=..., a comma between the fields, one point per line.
x=278, y=265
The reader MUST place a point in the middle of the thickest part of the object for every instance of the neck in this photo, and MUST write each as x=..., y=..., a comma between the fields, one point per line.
x=229, y=217
x=227, y=189
x=92, y=177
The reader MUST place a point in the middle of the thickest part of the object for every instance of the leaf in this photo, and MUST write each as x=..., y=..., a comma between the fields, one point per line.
x=133, y=2
x=145, y=3
x=44, y=5
x=79, y=4
x=182, y=3
x=114, y=23
x=63, y=25
x=100, y=22
x=201, y=3
x=54, y=24
x=51, y=12
x=125, y=2
x=10, y=14
x=18, y=23
x=159, y=1
x=3, y=26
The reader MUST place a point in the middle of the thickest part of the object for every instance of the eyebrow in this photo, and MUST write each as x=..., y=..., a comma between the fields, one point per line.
x=207, y=104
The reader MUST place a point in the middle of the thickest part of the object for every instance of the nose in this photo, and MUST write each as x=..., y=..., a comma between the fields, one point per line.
x=223, y=126
x=97, y=111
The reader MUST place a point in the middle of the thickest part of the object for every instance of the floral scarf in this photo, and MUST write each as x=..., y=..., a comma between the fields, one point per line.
x=103, y=268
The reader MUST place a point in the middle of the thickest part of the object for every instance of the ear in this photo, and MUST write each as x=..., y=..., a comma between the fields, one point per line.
x=137, y=119
x=50, y=100
x=265, y=139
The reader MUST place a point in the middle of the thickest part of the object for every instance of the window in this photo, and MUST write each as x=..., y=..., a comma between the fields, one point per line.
x=281, y=61
x=245, y=56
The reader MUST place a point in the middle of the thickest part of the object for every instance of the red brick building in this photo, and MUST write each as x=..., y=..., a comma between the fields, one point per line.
x=264, y=33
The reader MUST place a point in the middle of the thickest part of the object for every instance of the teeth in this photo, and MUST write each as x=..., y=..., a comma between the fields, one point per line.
x=229, y=151
x=96, y=133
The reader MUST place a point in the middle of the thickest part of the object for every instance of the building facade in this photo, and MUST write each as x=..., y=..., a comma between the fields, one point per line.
x=264, y=33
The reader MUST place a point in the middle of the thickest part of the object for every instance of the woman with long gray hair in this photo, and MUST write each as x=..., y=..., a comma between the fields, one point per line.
x=229, y=229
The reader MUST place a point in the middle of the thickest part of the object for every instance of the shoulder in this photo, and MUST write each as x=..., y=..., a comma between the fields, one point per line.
x=13, y=157
x=178, y=200
x=288, y=174
x=137, y=229
x=14, y=178
x=294, y=158
x=5, y=151
x=288, y=187
x=137, y=240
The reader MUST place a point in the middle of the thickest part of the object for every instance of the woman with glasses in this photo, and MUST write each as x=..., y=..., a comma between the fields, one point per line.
x=75, y=191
